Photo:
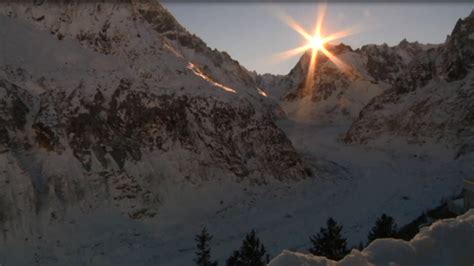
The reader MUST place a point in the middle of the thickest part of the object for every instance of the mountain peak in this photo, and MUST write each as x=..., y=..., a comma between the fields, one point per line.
x=158, y=16
x=105, y=87
x=464, y=25
x=459, y=49
x=403, y=42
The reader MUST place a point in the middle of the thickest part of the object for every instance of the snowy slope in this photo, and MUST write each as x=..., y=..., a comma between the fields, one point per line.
x=337, y=95
x=355, y=185
x=102, y=106
x=410, y=93
x=430, y=102
x=122, y=134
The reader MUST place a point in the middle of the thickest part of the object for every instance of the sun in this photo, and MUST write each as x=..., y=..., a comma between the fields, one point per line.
x=316, y=41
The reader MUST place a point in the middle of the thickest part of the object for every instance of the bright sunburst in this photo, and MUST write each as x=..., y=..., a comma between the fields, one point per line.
x=316, y=41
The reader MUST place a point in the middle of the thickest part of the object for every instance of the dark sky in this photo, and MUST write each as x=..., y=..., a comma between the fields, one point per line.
x=253, y=34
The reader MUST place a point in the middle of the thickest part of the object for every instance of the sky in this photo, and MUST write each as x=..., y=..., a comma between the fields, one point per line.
x=253, y=33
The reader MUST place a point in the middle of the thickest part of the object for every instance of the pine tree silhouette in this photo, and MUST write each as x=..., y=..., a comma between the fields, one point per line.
x=329, y=242
x=203, y=253
x=251, y=253
x=234, y=259
x=384, y=227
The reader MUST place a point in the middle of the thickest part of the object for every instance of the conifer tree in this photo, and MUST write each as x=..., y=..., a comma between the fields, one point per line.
x=234, y=259
x=251, y=253
x=384, y=227
x=329, y=242
x=203, y=253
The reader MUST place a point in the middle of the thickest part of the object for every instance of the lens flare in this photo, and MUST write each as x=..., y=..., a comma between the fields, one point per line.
x=316, y=42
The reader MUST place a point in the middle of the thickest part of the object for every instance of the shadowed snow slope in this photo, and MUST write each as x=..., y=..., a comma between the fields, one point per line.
x=101, y=103
x=432, y=101
x=122, y=134
x=446, y=242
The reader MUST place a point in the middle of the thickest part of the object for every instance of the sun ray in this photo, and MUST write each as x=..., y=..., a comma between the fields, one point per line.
x=292, y=52
x=311, y=70
x=316, y=42
x=320, y=19
x=338, y=62
x=340, y=34
x=294, y=25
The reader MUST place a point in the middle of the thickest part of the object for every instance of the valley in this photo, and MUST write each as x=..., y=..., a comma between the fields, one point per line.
x=122, y=135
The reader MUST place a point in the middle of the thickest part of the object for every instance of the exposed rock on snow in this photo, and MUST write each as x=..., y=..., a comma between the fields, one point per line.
x=431, y=101
x=99, y=107
x=114, y=108
x=337, y=95
x=446, y=242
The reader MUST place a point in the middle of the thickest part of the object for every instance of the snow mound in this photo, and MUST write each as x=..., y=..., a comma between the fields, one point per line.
x=446, y=242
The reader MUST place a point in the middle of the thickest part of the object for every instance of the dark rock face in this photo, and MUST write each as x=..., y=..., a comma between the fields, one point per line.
x=458, y=56
x=13, y=113
x=118, y=112
x=384, y=63
x=451, y=61
x=108, y=136
x=431, y=99
x=327, y=80
x=421, y=71
x=339, y=90
x=134, y=120
x=158, y=16
x=439, y=117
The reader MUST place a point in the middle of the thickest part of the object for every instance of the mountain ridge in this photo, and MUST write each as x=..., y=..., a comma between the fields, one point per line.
x=102, y=109
x=431, y=99
x=382, y=70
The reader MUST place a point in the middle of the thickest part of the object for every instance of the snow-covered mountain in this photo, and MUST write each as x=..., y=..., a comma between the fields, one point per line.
x=102, y=103
x=121, y=134
x=419, y=93
x=335, y=95
x=431, y=101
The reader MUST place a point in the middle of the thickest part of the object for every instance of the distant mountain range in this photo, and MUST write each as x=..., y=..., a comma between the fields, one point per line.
x=412, y=92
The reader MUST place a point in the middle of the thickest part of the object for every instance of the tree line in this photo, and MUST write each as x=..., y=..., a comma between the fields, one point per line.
x=329, y=242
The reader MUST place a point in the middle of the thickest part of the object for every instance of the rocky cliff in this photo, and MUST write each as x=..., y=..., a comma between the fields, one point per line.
x=104, y=102
x=430, y=101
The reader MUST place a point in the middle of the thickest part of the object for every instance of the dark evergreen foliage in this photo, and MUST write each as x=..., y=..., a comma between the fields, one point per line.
x=384, y=227
x=251, y=253
x=329, y=242
x=203, y=253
